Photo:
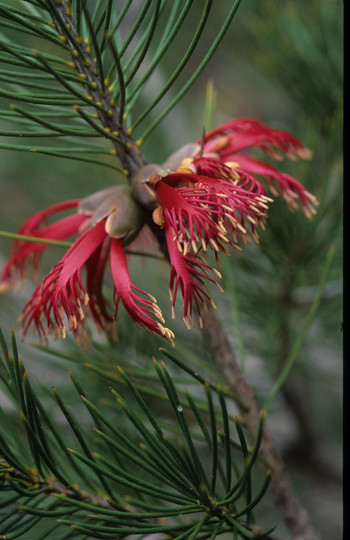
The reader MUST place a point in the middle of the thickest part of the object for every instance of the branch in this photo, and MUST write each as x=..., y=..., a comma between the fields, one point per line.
x=128, y=152
x=54, y=487
x=81, y=499
x=294, y=515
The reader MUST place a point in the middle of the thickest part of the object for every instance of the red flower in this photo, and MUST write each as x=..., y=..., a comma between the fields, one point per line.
x=208, y=195
x=105, y=222
x=227, y=142
x=22, y=251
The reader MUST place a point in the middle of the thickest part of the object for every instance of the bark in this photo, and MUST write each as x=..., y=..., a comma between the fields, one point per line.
x=294, y=515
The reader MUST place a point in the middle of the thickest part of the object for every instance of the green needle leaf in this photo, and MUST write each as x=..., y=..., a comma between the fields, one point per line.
x=35, y=240
x=77, y=432
x=181, y=65
x=194, y=76
x=129, y=481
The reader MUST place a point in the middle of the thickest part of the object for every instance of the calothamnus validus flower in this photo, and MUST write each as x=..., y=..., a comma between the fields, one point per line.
x=206, y=196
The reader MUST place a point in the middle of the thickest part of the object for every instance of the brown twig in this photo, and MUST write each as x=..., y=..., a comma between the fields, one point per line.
x=294, y=515
x=55, y=488
x=126, y=149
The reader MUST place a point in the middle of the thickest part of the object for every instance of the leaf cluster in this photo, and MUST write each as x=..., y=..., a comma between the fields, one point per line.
x=77, y=72
x=130, y=471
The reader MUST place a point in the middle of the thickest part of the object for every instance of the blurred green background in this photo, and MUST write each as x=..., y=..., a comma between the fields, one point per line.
x=281, y=62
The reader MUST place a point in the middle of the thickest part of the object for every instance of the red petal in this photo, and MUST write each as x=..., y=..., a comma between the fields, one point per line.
x=203, y=214
x=32, y=224
x=189, y=273
x=289, y=187
x=62, y=292
x=246, y=133
x=234, y=125
x=140, y=305
x=95, y=267
x=22, y=250
x=186, y=213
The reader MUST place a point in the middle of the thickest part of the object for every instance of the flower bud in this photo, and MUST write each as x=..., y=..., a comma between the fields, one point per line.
x=174, y=161
x=140, y=188
x=124, y=216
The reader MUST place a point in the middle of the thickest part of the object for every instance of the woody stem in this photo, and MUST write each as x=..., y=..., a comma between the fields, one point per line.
x=294, y=515
x=108, y=113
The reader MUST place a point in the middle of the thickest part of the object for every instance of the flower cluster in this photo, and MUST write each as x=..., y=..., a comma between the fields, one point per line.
x=207, y=195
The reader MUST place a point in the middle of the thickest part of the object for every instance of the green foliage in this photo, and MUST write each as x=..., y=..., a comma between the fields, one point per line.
x=310, y=36
x=78, y=72
x=145, y=60
x=291, y=64
x=130, y=470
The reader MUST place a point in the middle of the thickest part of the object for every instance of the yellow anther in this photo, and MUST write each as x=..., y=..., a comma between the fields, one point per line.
x=232, y=164
x=184, y=170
